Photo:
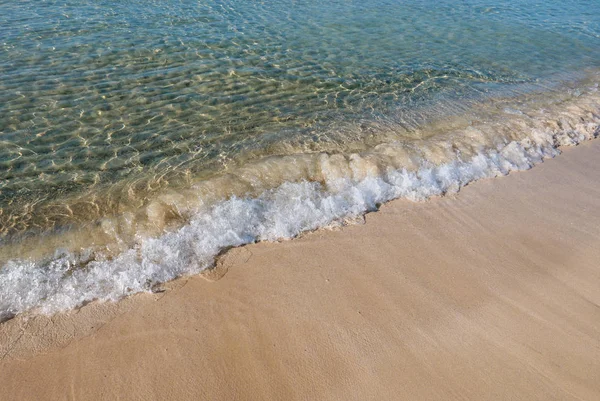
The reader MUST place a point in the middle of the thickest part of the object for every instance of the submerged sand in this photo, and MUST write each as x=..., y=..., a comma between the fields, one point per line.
x=490, y=294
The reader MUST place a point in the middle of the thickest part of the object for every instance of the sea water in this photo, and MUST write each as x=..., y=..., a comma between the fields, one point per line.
x=140, y=138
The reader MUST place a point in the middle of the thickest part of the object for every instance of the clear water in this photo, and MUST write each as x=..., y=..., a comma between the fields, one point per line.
x=122, y=120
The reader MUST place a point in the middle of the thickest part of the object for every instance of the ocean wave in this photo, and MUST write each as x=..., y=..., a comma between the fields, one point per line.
x=346, y=186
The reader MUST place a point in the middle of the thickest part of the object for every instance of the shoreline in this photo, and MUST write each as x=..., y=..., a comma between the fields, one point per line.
x=488, y=294
x=180, y=233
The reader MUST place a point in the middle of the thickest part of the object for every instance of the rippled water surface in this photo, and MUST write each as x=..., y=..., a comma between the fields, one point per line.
x=109, y=100
x=130, y=128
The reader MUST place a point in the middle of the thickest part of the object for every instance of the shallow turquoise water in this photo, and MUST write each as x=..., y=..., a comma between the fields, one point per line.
x=101, y=96
x=138, y=139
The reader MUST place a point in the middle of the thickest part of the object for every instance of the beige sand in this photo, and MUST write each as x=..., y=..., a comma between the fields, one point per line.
x=492, y=294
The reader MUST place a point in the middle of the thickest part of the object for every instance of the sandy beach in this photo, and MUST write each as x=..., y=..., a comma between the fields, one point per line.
x=299, y=200
x=491, y=294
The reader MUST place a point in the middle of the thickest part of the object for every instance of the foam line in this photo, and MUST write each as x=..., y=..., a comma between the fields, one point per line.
x=68, y=280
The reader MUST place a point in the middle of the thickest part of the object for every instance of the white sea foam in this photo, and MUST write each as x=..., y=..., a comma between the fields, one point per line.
x=67, y=280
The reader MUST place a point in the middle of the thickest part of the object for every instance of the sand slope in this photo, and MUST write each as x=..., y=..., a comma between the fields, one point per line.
x=492, y=294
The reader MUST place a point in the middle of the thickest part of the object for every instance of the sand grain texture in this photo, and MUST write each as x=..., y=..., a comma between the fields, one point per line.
x=492, y=294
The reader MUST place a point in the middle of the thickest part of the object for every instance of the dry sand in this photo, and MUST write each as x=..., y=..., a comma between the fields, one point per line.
x=492, y=294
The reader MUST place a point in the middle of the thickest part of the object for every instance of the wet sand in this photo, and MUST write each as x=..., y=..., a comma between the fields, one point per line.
x=491, y=294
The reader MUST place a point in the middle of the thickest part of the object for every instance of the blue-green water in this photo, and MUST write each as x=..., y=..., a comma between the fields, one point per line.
x=106, y=106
